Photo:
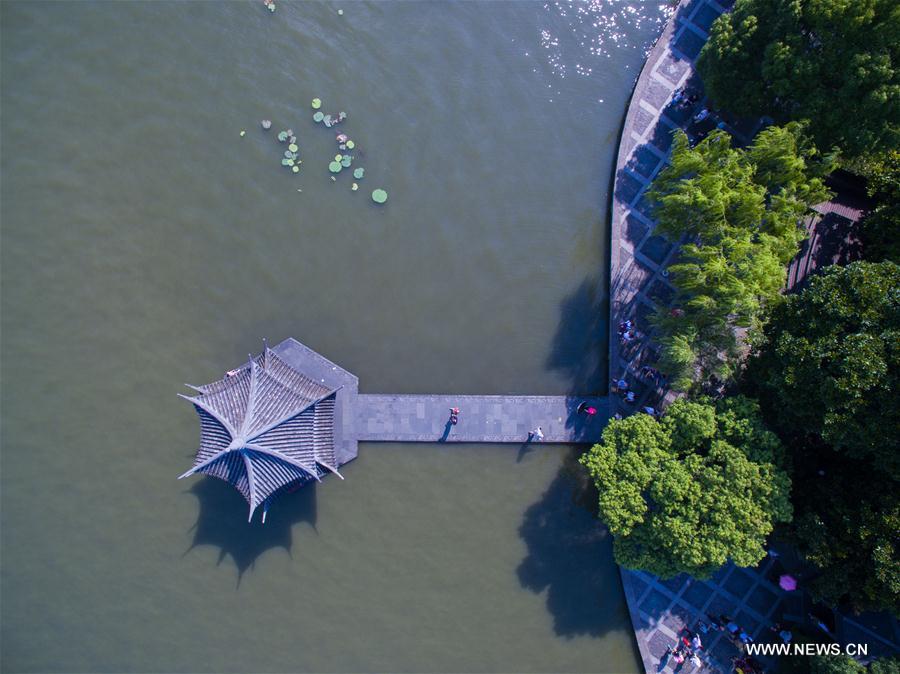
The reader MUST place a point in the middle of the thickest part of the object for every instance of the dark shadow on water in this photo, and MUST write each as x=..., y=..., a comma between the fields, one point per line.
x=524, y=448
x=222, y=522
x=446, y=434
x=570, y=556
x=579, y=346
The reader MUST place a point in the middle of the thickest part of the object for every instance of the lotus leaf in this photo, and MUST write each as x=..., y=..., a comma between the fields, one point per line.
x=295, y=169
x=346, y=161
x=282, y=136
x=359, y=173
x=292, y=147
x=350, y=145
x=316, y=103
x=379, y=196
x=354, y=187
x=284, y=162
x=335, y=167
x=318, y=117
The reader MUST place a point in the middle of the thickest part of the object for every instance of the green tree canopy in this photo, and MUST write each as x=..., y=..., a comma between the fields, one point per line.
x=826, y=373
x=828, y=363
x=837, y=664
x=847, y=515
x=737, y=213
x=833, y=62
x=691, y=491
x=880, y=229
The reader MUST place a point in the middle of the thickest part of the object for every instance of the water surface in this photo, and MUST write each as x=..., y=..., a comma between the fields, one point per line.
x=146, y=243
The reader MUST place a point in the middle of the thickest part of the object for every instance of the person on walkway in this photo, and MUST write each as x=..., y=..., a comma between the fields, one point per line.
x=696, y=644
x=583, y=408
x=698, y=663
x=620, y=384
x=700, y=116
x=716, y=622
x=664, y=659
x=624, y=326
x=454, y=415
x=537, y=434
x=629, y=397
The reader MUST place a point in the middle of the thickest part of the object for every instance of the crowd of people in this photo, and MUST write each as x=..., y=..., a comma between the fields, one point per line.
x=628, y=333
x=689, y=645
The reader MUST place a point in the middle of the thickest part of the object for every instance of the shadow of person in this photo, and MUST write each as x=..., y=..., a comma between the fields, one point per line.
x=222, y=522
x=524, y=448
x=446, y=434
x=570, y=556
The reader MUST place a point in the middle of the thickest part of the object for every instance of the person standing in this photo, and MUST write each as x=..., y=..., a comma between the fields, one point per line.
x=537, y=434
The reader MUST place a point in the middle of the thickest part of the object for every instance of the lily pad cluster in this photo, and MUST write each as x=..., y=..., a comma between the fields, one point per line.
x=328, y=120
x=270, y=5
x=291, y=158
x=344, y=160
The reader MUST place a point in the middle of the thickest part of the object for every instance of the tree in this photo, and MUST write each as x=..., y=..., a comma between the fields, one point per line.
x=837, y=664
x=689, y=492
x=826, y=372
x=885, y=666
x=738, y=213
x=834, y=664
x=880, y=228
x=835, y=63
x=847, y=516
x=828, y=364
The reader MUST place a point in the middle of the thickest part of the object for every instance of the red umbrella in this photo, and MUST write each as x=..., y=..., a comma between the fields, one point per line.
x=788, y=583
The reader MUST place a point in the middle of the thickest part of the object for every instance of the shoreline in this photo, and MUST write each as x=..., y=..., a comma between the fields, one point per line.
x=637, y=277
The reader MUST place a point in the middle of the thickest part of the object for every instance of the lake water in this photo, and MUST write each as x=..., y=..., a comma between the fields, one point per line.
x=146, y=243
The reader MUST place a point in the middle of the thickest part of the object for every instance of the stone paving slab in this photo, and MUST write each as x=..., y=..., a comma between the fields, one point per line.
x=496, y=418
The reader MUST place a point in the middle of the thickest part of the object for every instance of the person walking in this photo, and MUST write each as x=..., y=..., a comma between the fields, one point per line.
x=537, y=434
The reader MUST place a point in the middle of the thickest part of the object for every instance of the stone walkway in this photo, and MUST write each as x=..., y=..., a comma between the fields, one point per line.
x=638, y=284
x=425, y=418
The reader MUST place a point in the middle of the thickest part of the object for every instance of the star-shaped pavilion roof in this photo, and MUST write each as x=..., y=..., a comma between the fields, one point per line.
x=264, y=427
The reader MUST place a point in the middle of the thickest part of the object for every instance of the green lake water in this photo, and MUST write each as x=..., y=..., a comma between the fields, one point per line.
x=145, y=243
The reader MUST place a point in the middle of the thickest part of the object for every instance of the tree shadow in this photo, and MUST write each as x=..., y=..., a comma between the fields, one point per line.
x=570, y=556
x=579, y=346
x=222, y=522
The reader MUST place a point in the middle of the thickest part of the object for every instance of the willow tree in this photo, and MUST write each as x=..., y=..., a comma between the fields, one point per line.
x=737, y=213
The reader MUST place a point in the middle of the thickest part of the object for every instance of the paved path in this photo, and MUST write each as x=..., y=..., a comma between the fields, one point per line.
x=638, y=284
x=425, y=418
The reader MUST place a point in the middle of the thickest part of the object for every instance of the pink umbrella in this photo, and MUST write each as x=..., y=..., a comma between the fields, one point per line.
x=788, y=583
